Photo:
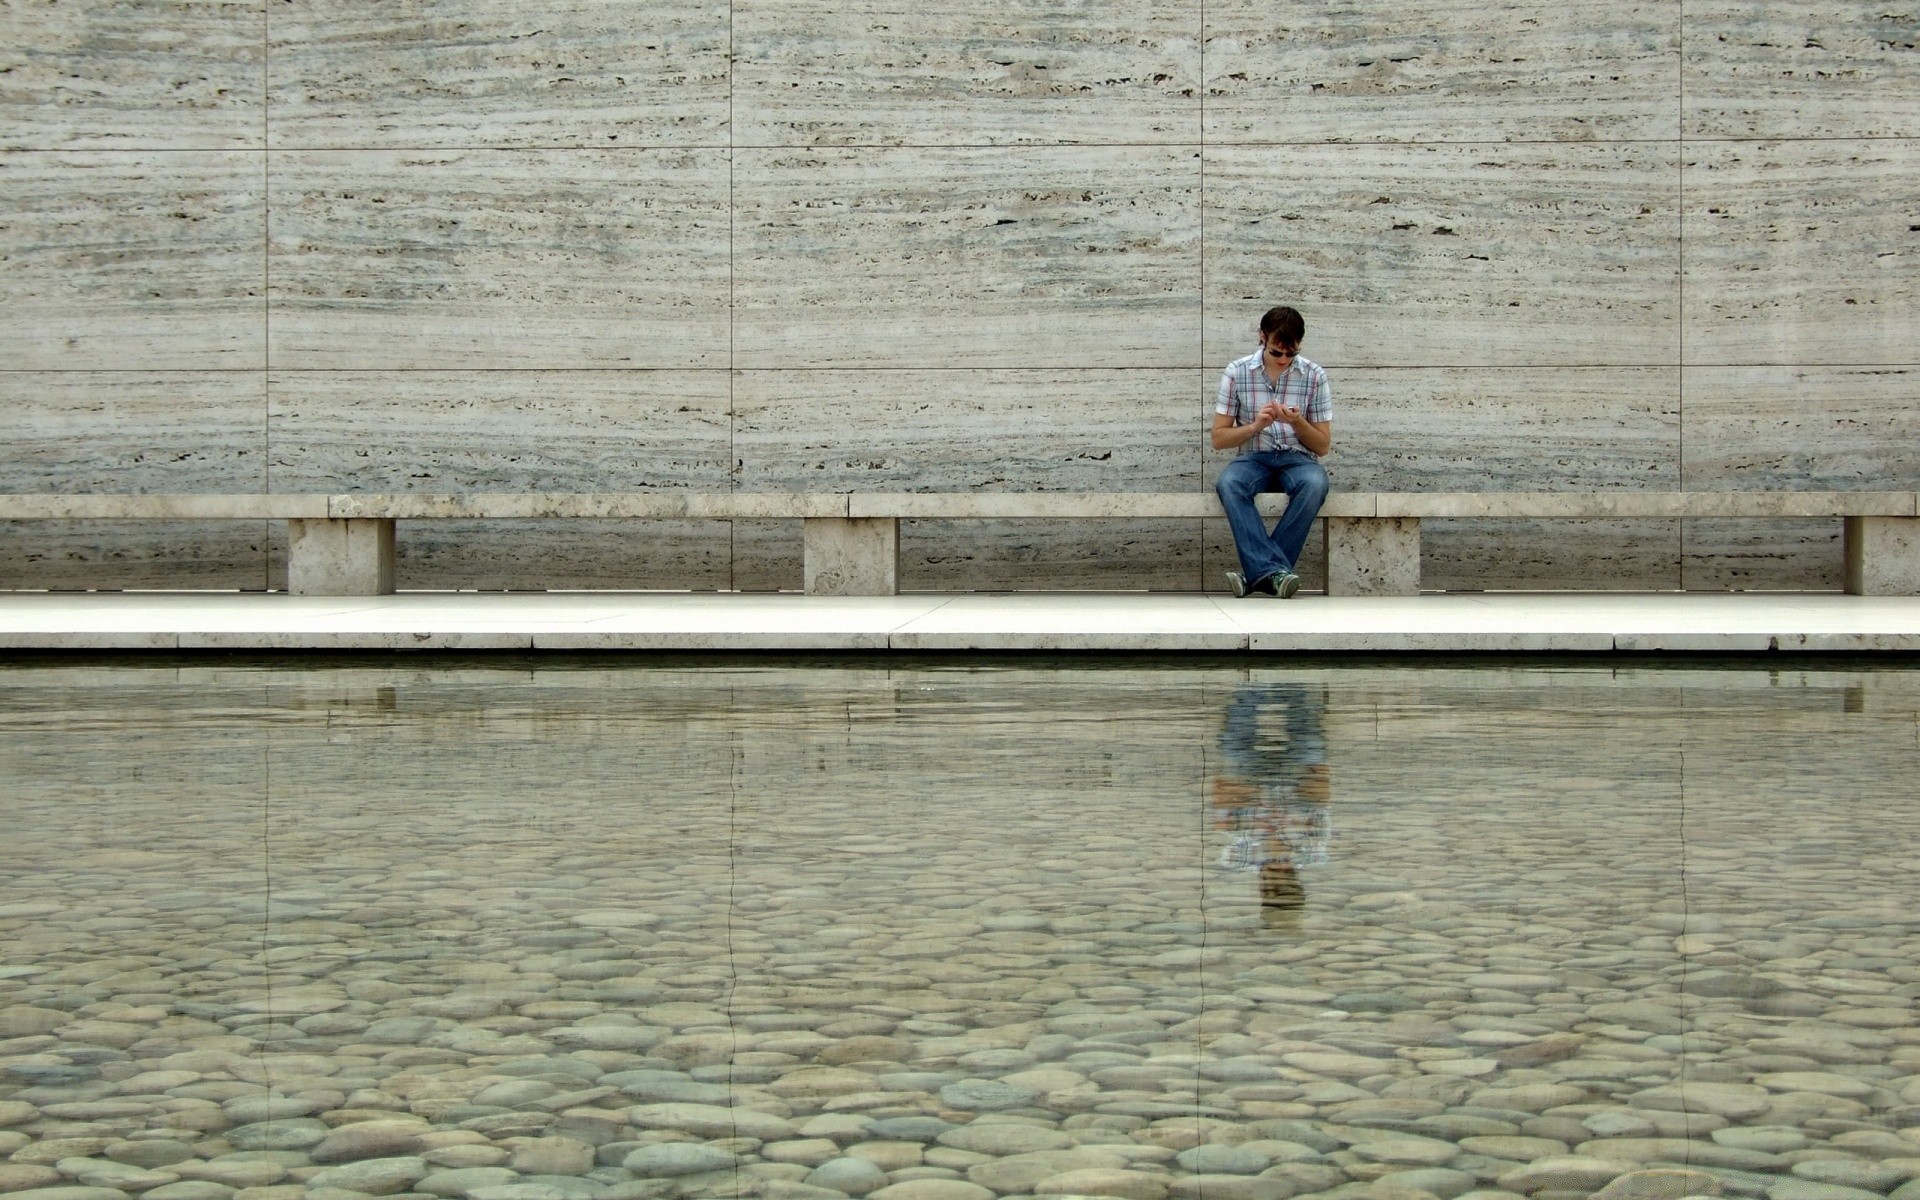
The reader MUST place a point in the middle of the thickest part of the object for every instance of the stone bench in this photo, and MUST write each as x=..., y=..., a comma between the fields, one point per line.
x=342, y=545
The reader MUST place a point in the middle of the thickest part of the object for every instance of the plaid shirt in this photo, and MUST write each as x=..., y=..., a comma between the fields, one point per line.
x=1244, y=390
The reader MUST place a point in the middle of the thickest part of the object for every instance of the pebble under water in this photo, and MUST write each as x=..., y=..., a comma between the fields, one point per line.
x=652, y=929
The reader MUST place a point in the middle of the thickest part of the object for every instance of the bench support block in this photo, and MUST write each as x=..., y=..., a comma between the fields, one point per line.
x=858, y=556
x=340, y=558
x=1373, y=556
x=1883, y=556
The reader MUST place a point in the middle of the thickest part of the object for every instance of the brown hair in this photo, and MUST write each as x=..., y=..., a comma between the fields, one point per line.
x=1284, y=323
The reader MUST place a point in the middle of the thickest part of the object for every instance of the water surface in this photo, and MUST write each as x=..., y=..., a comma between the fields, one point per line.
x=957, y=932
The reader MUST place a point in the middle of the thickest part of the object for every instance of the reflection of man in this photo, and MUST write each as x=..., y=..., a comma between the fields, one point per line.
x=1274, y=787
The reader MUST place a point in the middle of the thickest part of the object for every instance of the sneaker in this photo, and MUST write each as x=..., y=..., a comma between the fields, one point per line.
x=1266, y=585
x=1237, y=584
x=1285, y=584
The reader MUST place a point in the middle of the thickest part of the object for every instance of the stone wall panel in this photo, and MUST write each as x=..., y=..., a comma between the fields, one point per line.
x=499, y=431
x=1811, y=69
x=111, y=431
x=131, y=74
x=1762, y=556
x=1507, y=555
x=508, y=259
x=604, y=74
x=561, y=555
x=1802, y=252
x=132, y=260
x=941, y=257
x=1433, y=70
x=969, y=430
x=1049, y=556
x=133, y=555
x=1794, y=428
x=1016, y=72
x=1448, y=255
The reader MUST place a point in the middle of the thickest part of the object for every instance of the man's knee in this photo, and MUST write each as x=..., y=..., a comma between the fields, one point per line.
x=1308, y=483
x=1236, y=481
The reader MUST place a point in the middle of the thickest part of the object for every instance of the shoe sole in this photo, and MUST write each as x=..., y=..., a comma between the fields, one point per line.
x=1288, y=586
x=1237, y=584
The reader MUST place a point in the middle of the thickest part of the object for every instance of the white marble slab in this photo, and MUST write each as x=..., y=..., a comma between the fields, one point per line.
x=1555, y=623
x=1432, y=70
x=499, y=259
x=741, y=622
x=470, y=73
x=1014, y=72
x=123, y=74
x=1085, y=623
x=1802, y=253
x=1448, y=255
x=132, y=261
x=949, y=257
x=1811, y=69
x=1499, y=623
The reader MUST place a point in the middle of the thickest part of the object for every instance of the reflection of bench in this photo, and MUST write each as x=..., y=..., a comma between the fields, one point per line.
x=343, y=545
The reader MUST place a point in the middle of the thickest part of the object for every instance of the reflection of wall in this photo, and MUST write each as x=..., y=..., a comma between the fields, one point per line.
x=864, y=244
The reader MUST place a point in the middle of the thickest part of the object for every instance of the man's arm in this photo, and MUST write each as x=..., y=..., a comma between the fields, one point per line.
x=1227, y=435
x=1316, y=436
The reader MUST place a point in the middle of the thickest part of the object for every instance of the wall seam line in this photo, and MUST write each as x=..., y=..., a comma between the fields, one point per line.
x=1200, y=447
x=1680, y=189
x=733, y=419
x=266, y=285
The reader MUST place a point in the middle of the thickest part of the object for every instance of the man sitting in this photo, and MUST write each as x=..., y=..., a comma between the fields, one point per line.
x=1275, y=406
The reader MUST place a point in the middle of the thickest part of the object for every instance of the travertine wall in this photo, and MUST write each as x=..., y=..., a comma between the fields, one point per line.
x=380, y=245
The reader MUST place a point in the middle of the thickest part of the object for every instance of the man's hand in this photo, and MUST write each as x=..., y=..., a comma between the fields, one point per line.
x=1271, y=412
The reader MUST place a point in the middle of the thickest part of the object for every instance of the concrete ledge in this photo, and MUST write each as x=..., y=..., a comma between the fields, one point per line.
x=344, y=544
x=587, y=506
x=985, y=506
x=238, y=506
x=944, y=505
x=1605, y=505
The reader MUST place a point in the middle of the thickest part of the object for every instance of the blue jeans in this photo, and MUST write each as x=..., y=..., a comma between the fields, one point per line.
x=1294, y=472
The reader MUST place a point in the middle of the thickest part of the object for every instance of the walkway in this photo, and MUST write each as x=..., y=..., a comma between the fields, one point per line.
x=579, y=621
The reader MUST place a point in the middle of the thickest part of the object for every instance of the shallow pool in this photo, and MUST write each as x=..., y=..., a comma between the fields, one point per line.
x=519, y=931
